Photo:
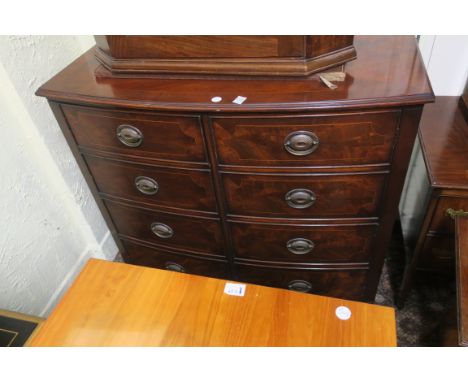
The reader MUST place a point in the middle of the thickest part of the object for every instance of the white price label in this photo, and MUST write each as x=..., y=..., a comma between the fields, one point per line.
x=343, y=313
x=239, y=100
x=235, y=289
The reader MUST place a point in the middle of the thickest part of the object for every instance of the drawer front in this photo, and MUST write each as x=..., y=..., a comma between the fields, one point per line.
x=348, y=139
x=438, y=253
x=442, y=223
x=305, y=244
x=149, y=135
x=348, y=284
x=187, y=189
x=174, y=231
x=310, y=196
x=156, y=258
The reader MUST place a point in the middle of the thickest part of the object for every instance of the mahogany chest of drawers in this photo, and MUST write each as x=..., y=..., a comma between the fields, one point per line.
x=297, y=187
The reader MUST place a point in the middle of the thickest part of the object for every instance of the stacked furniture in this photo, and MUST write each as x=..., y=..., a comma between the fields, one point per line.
x=278, y=181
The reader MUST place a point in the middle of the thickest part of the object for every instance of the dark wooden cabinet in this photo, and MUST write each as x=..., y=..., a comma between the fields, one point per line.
x=441, y=186
x=297, y=187
x=453, y=328
x=223, y=55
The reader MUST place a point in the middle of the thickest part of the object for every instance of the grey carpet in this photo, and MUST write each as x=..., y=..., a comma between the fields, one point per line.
x=430, y=299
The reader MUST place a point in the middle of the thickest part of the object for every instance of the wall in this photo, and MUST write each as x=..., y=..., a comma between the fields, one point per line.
x=50, y=223
x=446, y=59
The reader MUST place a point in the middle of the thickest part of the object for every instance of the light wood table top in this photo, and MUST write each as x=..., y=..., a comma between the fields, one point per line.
x=115, y=304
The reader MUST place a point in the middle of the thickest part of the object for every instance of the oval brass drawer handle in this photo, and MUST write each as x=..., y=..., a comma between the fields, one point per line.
x=146, y=185
x=301, y=143
x=129, y=135
x=162, y=230
x=300, y=198
x=454, y=213
x=174, y=267
x=300, y=246
x=300, y=286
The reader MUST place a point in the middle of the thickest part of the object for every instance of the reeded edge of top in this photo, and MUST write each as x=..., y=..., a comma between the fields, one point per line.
x=408, y=100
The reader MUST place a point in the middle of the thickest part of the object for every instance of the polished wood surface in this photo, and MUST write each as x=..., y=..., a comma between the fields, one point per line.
x=114, y=304
x=138, y=252
x=194, y=189
x=443, y=138
x=319, y=45
x=164, y=137
x=343, y=139
x=441, y=223
x=408, y=128
x=462, y=278
x=389, y=71
x=337, y=196
x=343, y=282
x=202, y=235
x=200, y=46
x=220, y=165
x=221, y=55
x=220, y=46
x=444, y=141
x=331, y=242
x=453, y=328
x=437, y=253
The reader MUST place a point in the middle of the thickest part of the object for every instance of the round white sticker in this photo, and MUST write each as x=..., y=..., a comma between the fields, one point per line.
x=343, y=313
x=216, y=99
